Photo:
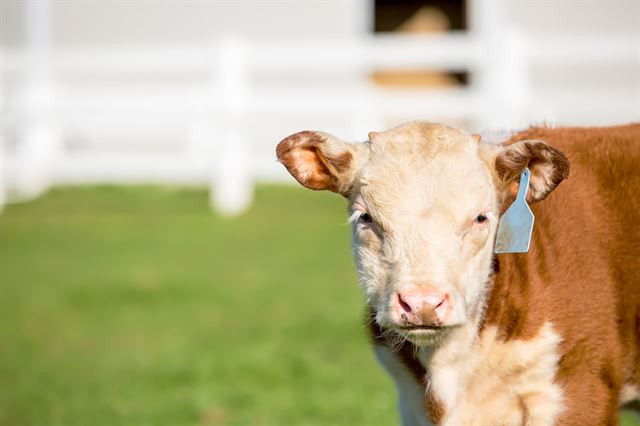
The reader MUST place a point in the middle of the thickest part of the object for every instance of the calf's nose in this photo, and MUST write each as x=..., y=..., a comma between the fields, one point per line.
x=422, y=306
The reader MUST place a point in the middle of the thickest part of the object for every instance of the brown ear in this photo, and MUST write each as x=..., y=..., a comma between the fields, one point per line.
x=318, y=161
x=548, y=168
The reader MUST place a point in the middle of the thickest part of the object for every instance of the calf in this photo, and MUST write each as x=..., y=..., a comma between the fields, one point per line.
x=470, y=337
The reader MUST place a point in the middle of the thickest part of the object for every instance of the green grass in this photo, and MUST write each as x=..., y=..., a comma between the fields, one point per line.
x=138, y=306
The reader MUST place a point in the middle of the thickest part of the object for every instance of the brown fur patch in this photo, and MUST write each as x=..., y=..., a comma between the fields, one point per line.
x=581, y=272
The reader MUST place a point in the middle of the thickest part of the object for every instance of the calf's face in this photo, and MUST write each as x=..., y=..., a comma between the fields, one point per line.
x=424, y=203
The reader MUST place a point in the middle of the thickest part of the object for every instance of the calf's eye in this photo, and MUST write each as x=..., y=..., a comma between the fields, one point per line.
x=365, y=218
x=481, y=218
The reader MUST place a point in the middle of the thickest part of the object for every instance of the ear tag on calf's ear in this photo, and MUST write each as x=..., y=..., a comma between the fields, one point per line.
x=516, y=224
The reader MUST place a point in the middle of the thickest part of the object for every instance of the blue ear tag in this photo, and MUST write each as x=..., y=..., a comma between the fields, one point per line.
x=516, y=224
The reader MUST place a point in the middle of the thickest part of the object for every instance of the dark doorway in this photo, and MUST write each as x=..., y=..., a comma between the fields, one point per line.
x=419, y=17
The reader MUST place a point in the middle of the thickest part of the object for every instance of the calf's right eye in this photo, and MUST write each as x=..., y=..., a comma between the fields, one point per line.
x=365, y=218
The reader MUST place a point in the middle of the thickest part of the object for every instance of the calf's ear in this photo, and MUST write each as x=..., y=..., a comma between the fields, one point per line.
x=318, y=161
x=548, y=168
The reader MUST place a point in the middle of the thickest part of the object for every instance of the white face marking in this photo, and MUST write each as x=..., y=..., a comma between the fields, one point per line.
x=422, y=188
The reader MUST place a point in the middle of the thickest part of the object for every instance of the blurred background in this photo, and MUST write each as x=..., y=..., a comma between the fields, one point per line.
x=154, y=268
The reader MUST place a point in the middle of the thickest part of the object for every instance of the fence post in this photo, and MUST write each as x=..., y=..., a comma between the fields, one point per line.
x=38, y=136
x=3, y=172
x=232, y=183
x=3, y=196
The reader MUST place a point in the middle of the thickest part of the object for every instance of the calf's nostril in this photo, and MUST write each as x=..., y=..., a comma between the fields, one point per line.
x=405, y=306
x=444, y=299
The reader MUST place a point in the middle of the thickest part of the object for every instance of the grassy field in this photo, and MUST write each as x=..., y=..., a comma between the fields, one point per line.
x=138, y=306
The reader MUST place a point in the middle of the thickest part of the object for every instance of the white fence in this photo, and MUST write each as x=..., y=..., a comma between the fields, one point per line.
x=213, y=114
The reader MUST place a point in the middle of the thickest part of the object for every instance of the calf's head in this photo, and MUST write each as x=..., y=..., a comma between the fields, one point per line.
x=424, y=203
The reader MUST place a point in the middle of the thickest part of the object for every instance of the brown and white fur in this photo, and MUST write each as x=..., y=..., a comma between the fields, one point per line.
x=545, y=337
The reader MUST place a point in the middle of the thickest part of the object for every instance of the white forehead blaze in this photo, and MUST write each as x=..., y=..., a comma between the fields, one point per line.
x=431, y=171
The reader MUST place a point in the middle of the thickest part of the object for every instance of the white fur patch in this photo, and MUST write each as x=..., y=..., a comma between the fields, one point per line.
x=629, y=392
x=498, y=382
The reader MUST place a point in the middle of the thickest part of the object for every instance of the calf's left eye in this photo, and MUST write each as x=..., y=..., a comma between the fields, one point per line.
x=481, y=218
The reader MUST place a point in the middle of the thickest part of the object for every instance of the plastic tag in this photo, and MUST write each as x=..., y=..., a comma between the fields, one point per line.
x=516, y=224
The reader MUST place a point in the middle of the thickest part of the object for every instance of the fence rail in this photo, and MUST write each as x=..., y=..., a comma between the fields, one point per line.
x=212, y=98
